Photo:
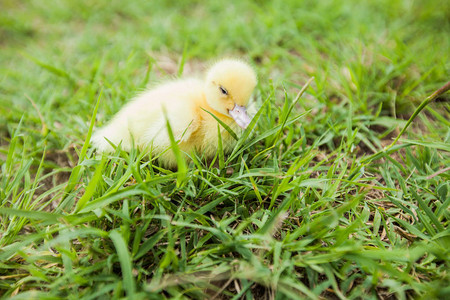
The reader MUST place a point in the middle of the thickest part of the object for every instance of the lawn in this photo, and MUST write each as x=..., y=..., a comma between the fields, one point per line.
x=318, y=200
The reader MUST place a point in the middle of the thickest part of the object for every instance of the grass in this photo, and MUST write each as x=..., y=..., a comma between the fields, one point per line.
x=316, y=202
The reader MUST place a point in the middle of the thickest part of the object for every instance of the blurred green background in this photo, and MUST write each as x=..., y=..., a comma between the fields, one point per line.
x=380, y=47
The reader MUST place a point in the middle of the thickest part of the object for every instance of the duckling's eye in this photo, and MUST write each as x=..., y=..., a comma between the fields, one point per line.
x=224, y=91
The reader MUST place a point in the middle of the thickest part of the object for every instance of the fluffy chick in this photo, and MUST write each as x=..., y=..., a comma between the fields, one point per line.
x=225, y=92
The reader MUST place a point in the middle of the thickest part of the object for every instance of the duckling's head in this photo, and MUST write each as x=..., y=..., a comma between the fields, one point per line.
x=229, y=85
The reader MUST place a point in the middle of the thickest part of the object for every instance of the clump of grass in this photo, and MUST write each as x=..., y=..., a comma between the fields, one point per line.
x=324, y=196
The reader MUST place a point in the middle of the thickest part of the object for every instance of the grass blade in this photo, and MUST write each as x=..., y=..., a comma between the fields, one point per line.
x=76, y=173
x=181, y=161
x=125, y=262
x=227, y=128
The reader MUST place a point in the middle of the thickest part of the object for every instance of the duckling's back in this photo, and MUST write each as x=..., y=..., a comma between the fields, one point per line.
x=143, y=120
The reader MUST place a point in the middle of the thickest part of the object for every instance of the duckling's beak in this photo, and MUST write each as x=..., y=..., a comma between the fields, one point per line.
x=239, y=114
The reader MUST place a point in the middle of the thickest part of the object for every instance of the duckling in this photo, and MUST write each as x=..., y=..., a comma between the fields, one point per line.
x=184, y=103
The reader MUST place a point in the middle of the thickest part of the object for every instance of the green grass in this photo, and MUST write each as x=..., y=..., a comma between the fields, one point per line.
x=313, y=203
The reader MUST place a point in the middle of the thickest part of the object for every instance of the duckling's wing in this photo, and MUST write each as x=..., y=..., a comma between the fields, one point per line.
x=178, y=107
x=182, y=124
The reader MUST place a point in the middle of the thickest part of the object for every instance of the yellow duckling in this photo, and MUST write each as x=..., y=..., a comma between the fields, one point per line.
x=225, y=93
